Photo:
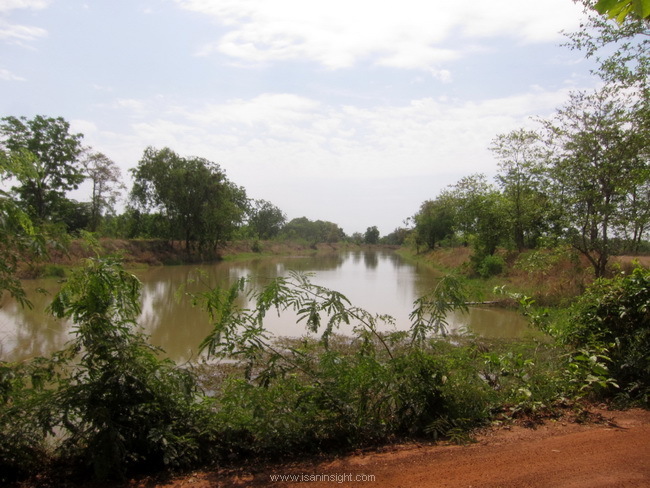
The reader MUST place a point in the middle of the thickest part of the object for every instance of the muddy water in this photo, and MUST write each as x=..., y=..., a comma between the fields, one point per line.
x=380, y=282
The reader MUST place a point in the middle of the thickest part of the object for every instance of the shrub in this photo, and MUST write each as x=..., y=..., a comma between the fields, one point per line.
x=293, y=399
x=491, y=265
x=612, y=319
x=120, y=406
x=25, y=420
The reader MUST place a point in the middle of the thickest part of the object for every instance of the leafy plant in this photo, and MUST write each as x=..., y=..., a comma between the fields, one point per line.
x=612, y=320
x=120, y=406
x=335, y=391
x=491, y=265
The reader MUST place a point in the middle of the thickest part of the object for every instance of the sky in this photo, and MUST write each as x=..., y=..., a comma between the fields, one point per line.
x=353, y=111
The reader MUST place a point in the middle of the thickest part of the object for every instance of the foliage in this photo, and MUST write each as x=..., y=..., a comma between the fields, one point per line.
x=434, y=222
x=46, y=164
x=20, y=240
x=313, y=232
x=620, y=49
x=612, y=318
x=106, y=401
x=120, y=406
x=367, y=388
x=521, y=178
x=621, y=9
x=371, y=235
x=265, y=219
x=396, y=238
x=430, y=311
x=599, y=158
x=198, y=202
x=491, y=266
x=73, y=216
x=481, y=213
x=25, y=417
x=106, y=186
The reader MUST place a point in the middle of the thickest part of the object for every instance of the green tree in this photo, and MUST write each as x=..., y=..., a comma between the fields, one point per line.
x=313, y=231
x=200, y=204
x=434, y=222
x=266, y=220
x=620, y=50
x=481, y=213
x=20, y=239
x=521, y=168
x=600, y=158
x=371, y=235
x=107, y=185
x=48, y=157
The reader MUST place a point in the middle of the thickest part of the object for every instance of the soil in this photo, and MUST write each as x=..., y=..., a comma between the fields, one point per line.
x=613, y=452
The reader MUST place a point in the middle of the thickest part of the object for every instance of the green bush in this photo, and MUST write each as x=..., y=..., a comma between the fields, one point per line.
x=612, y=320
x=491, y=265
x=121, y=407
x=25, y=419
x=318, y=395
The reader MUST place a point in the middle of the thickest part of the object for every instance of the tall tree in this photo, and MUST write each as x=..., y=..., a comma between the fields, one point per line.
x=49, y=156
x=600, y=157
x=480, y=213
x=200, y=204
x=434, y=222
x=372, y=235
x=265, y=219
x=107, y=185
x=521, y=156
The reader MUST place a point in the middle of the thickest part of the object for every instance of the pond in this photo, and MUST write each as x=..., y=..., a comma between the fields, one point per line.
x=378, y=281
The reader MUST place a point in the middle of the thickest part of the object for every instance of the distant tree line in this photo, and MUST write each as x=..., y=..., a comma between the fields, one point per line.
x=173, y=197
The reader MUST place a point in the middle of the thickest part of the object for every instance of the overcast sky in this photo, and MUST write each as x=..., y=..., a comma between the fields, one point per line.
x=352, y=111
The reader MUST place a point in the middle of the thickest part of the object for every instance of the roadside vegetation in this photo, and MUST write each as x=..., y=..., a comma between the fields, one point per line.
x=570, y=198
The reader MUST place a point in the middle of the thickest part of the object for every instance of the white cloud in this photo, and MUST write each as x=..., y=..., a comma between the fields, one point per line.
x=20, y=33
x=7, y=5
x=7, y=75
x=310, y=138
x=15, y=32
x=404, y=34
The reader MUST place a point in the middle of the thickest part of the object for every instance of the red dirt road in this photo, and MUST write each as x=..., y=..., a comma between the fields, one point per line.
x=611, y=454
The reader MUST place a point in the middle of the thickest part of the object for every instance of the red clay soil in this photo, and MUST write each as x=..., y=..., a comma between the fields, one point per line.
x=560, y=454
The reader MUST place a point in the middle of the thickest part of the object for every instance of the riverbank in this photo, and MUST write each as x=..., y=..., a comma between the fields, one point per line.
x=552, y=277
x=143, y=253
x=156, y=252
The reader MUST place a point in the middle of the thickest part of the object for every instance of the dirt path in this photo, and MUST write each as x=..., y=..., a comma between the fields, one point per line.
x=611, y=454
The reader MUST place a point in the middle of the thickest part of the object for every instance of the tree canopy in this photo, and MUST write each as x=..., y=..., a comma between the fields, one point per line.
x=45, y=161
x=201, y=206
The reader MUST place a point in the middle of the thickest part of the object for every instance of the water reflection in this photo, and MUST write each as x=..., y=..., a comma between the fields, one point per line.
x=380, y=282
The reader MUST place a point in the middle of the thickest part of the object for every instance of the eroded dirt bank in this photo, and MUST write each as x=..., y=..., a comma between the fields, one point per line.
x=562, y=454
